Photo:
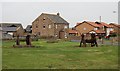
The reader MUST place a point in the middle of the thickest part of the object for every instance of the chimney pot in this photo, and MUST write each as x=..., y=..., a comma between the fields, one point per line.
x=58, y=14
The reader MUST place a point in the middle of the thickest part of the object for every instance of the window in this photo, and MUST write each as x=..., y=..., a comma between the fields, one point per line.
x=95, y=28
x=84, y=28
x=56, y=26
x=49, y=26
x=36, y=26
x=44, y=26
x=65, y=27
x=43, y=18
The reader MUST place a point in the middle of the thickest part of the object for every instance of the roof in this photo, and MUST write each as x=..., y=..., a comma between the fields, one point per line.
x=11, y=25
x=73, y=31
x=101, y=24
x=9, y=29
x=90, y=23
x=55, y=18
x=112, y=32
x=117, y=25
x=98, y=31
x=28, y=28
x=95, y=24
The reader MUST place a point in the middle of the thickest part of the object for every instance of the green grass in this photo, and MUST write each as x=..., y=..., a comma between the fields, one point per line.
x=61, y=55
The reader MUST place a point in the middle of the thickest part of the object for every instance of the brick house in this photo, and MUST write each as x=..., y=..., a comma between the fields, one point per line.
x=105, y=27
x=87, y=27
x=50, y=25
x=12, y=29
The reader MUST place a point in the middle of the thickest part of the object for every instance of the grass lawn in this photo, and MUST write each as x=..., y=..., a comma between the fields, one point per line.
x=61, y=55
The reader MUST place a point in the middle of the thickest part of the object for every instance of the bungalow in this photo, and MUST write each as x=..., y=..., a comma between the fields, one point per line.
x=87, y=27
x=105, y=27
x=50, y=25
x=73, y=32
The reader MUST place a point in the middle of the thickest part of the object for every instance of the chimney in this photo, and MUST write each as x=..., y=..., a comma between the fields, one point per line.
x=58, y=14
x=100, y=18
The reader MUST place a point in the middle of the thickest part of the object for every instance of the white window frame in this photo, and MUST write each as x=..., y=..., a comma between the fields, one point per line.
x=65, y=27
x=84, y=28
x=95, y=28
x=44, y=18
x=56, y=26
x=49, y=26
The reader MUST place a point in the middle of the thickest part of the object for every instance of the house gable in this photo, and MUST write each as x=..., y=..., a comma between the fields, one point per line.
x=84, y=27
x=43, y=26
x=90, y=23
x=56, y=18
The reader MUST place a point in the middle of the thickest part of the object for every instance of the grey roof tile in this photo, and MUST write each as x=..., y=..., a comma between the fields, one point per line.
x=56, y=18
x=9, y=29
x=11, y=25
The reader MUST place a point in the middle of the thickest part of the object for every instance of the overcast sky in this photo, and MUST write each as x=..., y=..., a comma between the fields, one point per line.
x=73, y=12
